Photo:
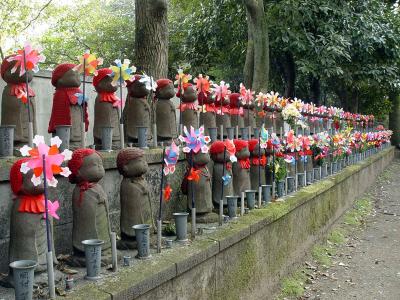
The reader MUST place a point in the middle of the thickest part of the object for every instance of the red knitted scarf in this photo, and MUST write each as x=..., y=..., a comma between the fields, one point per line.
x=259, y=161
x=83, y=187
x=31, y=204
x=108, y=97
x=244, y=163
x=61, y=112
x=188, y=106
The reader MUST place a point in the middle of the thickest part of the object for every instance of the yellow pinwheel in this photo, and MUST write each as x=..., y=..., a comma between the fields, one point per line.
x=122, y=72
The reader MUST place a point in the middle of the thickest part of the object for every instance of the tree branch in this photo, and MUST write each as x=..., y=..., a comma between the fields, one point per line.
x=38, y=15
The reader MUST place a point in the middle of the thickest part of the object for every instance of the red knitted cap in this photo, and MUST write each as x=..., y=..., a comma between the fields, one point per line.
x=163, y=82
x=136, y=77
x=126, y=155
x=59, y=71
x=252, y=144
x=217, y=147
x=185, y=86
x=100, y=75
x=5, y=65
x=16, y=178
x=76, y=161
x=240, y=144
x=234, y=99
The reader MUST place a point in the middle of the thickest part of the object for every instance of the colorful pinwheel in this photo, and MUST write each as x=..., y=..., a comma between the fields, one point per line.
x=88, y=64
x=195, y=140
x=264, y=137
x=52, y=208
x=230, y=147
x=202, y=85
x=150, y=83
x=53, y=160
x=247, y=95
x=81, y=99
x=226, y=179
x=27, y=59
x=194, y=175
x=122, y=72
x=221, y=91
x=171, y=158
x=182, y=79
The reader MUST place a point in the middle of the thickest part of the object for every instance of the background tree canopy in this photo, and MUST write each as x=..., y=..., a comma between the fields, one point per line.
x=328, y=51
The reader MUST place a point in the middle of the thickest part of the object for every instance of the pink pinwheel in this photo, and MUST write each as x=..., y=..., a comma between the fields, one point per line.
x=31, y=61
x=221, y=92
x=292, y=142
x=246, y=95
x=230, y=147
x=52, y=208
x=195, y=140
x=171, y=158
x=53, y=160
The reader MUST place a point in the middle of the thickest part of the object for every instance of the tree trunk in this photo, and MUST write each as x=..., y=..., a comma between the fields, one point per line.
x=256, y=68
x=151, y=42
x=289, y=72
x=315, y=90
x=394, y=118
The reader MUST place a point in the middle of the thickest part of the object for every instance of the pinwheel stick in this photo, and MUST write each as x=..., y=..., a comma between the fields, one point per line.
x=49, y=254
x=259, y=170
x=273, y=171
x=159, y=223
x=193, y=232
x=30, y=124
x=83, y=127
x=121, y=119
x=221, y=201
x=180, y=105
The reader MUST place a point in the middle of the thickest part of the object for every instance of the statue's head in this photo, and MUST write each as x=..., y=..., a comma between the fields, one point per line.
x=102, y=82
x=242, y=149
x=254, y=148
x=165, y=89
x=65, y=76
x=234, y=100
x=217, y=152
x=131, y=162
x=199, y=158
x=189, y=94
x=12, y=76
x=86, y=165
x=21, y=184
x=136, y=88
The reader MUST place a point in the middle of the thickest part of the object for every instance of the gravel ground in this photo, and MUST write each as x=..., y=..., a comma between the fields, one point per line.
x=367, y=265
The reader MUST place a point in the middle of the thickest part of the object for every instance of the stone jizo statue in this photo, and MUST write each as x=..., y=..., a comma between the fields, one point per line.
x=166, y=112
x=241, y=168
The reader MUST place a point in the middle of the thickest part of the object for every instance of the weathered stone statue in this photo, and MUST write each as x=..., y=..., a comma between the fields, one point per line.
x=201, y=189
x=134, y=194
x=221, y=164
x=166, y=112
x=258, y=161
x=27, y=224
x=224, y=117
x=89, y=204
x=66, y=109
x=207, y=113
x=14, y=110
x=236, y=110
x=241, y=168
x=106, y=107
x=189, y=106
x=137, y=111
x=249, y=115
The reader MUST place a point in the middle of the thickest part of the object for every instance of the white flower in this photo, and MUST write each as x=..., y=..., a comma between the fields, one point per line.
x=36, y=180
x=24, y=168
x=25, y=150
x=55, y=141
x=52, y=182
x=65, y=172
x=67, y=154
x=38, y=139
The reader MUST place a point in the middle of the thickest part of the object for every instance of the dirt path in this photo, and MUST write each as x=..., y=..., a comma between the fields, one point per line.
x=367, y=265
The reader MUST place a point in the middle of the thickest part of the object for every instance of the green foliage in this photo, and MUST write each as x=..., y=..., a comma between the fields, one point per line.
x=293, y=286
x=280, y=169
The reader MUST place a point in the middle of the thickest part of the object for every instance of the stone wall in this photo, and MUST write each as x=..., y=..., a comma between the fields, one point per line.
x=244, y=259
x=110, y=183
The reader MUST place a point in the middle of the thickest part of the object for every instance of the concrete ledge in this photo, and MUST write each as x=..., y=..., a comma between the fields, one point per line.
x=244, y=260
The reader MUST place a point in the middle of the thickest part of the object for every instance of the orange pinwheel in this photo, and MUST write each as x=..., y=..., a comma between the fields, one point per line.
x=167, y=193
x=194, y=175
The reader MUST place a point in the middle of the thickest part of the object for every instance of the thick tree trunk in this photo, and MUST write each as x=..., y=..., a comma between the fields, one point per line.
x=256, y=68
x=151, y=42
x=289, y=71
x=315, y=91
x=394, y=118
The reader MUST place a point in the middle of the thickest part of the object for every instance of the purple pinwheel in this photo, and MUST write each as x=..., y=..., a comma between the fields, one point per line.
x=195, y=140
x=171, y=158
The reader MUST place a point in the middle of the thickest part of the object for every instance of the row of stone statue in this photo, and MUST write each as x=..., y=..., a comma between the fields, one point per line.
x=68, y=109
x=90, y=204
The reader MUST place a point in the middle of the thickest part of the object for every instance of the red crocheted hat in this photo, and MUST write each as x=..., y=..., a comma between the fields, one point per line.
x=234, y=99
x=16, y=178
x=59, y=71
x=126, y=155
x=252, y=144
x=240, y=144
x=5, y=65
x=185, y=86
x=136, y=77
x=100, y=75
x=217, y=147
x=76, y=161
x=163, y=82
